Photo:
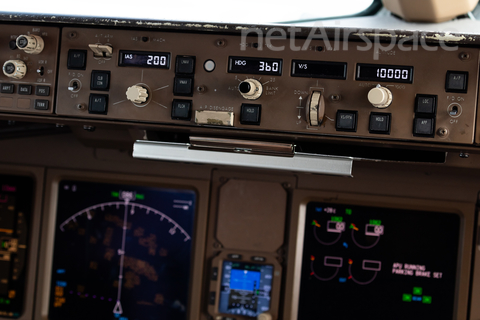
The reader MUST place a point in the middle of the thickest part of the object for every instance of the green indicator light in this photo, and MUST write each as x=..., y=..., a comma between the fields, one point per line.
x=376, y=222
x=407, y=297
x=417, y=291
x=115, y=194
x=337, y=219
x=348, y=211
x=427, y=299
x=7, y=301
x=140, y=196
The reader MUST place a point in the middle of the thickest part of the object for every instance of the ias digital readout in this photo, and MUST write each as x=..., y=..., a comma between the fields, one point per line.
x=144, y=59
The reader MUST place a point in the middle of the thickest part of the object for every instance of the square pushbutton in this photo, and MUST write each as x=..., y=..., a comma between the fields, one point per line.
x=250, y=113
x=98, y=103
x=424, y=127
x=77, y=59
x=41, y=104
x=426, y=104
x=181, y=109
x=379, y=123
x=346, y=121
x=25, y=89
x=456, y=81
x=42, y=91
x=183, y=86
x=7, y=88
x=185, y=65
x=100, y=80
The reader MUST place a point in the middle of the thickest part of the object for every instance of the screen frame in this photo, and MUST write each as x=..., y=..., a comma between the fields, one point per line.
x=465, y=211
x=201, y=189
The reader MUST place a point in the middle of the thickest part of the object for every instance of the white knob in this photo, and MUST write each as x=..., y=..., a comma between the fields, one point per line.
x=30, y=44
x=15, y=69
x=264, y=316
x=137, y=94
x=250, y=89
x=316, y=108
x=380, y=97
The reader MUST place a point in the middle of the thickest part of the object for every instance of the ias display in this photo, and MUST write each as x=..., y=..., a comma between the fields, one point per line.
x=143, y=59
x=121, y=252
x=245, y=288
x=374, y=263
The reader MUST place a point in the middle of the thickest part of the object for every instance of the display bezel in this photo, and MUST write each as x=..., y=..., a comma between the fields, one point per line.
x=121, y=59
x=299, y=207
x=49, y=227
x=360, y=77
x=230, y=68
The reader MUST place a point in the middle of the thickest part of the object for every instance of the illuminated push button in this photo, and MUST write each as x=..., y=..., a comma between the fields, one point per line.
x=380, y=97
x=185, y=65
x=137, y=94
x=25, y=89
x=100, y=80
x=181, y=109
x=98, y=104
x=346, y=121
x=424, y=127
x=183, y=86
x=41, y=104
x=250, y=89
x=456, y=81
x=77, y=59
x=15, y=69
x=7, y=88
x=379, y=123
x=250, y=114
x=425, y=104
x=31, y=44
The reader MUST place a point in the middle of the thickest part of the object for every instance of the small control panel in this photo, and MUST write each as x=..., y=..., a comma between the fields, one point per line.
x=244, y=287
x=28, y=57
x=234, y=82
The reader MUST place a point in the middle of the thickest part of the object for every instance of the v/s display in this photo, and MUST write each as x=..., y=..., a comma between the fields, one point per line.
x=144, y=59
x=384, y=73
x=373, y=263
x=245, y=289
x=121, y=252
x=248, y=65
x=16, y=198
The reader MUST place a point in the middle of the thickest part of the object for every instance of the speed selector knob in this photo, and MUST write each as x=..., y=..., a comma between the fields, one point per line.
x=30, y=44
x=137, y=94
x=15, y=69
x=250, y=89
x=380, y=97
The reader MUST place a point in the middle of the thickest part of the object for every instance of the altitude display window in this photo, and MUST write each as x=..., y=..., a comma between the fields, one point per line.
x=378, y=263
x=121, y=252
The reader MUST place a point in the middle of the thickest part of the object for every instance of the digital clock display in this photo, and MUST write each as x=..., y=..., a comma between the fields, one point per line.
x=384, y=73
x=249, y=65
x=144, y=59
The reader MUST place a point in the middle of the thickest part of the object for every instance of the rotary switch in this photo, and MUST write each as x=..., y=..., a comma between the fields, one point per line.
x=316, y=108
x=137, y=94
x=30, y=44
x=15, y=69
x=250, y=89
x=380, y=97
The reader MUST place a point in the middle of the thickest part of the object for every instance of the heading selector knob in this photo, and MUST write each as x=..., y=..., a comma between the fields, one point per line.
x=250, y=89
x=137, y=94
x=15, y=69
x=380, y=97
x=30, y=44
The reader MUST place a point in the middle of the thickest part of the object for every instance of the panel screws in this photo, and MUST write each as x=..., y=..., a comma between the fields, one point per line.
x=201, y=89
x=80, y=106
x=319, y=48
x=443, y=132
x=221, y=43
x=464, y=56
x=59, y=125
x=89, y=128
x=286, y=185
x=72, y=35
x=335, y=97
x=464, y=155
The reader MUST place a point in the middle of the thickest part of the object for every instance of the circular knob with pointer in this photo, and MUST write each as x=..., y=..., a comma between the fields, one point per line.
x=15, y=69
x=250, y=89
x=31, y=44
x=137, y=94
x=380, y=97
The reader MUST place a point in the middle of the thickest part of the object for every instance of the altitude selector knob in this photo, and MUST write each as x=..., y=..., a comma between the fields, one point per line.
x=30, y=44
x=380, y=97
x=250, y=89
x=15, y=69
x=137, y=94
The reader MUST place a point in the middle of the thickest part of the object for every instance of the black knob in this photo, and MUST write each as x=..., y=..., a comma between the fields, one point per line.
x=244, y=87
x=22, y=42
x=9, y=68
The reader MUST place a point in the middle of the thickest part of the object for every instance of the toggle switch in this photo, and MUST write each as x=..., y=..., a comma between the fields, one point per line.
x=101, y=50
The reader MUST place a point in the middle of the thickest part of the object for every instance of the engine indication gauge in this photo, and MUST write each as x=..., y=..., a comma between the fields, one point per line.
x=121, y=252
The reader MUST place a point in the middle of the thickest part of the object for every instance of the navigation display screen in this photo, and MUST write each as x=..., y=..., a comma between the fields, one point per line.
x=121, y=252
x=245, y=288
x=378, y=263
